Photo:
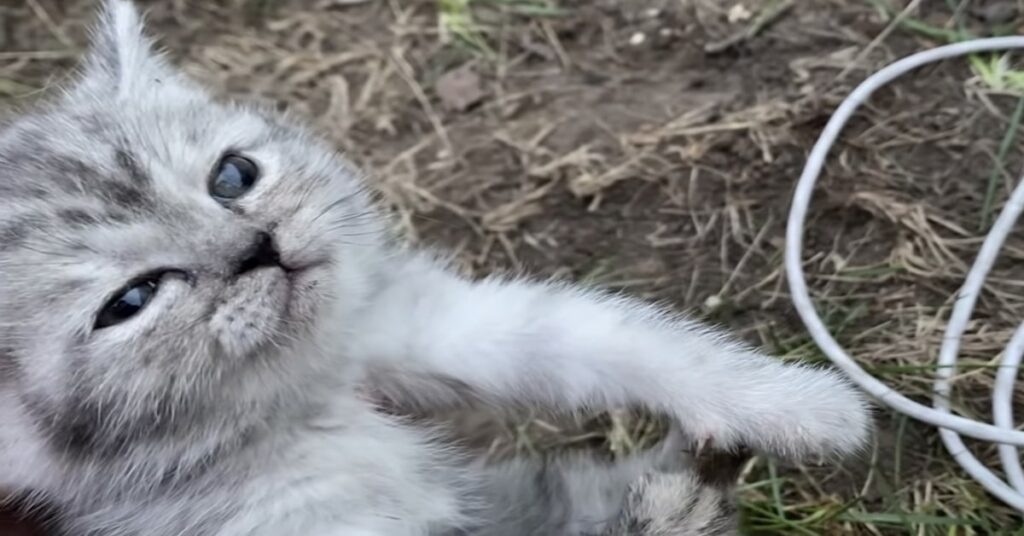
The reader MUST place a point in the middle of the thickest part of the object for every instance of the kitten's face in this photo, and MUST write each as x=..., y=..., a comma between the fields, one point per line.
x=164, y=258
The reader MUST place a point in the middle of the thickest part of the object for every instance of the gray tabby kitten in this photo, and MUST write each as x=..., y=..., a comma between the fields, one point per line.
x=200, y=304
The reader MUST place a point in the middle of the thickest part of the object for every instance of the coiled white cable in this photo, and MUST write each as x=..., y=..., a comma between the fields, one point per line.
x=951, y=426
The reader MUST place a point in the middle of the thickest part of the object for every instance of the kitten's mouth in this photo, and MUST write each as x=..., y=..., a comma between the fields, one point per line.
x=263, y=306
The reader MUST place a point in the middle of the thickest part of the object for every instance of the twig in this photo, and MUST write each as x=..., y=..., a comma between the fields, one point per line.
x=893, y=24
x=52, y=26
x=405, y=71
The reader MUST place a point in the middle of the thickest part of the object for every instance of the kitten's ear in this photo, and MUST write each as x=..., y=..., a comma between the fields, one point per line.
x=121, y=60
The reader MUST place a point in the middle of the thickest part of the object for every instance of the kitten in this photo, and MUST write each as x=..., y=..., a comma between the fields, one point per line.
x=199, y=300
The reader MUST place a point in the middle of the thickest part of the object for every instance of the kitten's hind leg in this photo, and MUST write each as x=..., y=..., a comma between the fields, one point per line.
x=555, y=495
x=684, y=495
x=676, y=504
x=579, y=494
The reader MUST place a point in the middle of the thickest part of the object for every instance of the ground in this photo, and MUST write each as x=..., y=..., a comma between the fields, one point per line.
x=652, y=146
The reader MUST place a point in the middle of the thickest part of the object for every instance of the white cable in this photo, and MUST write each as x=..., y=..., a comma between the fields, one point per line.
x=951, y=426
x=1002, y=407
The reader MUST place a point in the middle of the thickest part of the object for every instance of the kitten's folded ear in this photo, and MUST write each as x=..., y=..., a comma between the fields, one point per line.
x=121, y=61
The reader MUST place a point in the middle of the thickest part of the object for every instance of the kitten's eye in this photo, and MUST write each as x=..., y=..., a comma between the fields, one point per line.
x=127, y=303
x=234, y=176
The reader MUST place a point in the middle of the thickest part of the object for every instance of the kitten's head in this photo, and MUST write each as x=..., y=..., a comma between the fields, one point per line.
x=166, y=259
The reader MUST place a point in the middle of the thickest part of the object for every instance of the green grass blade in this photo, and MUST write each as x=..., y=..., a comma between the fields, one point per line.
x=994, y=177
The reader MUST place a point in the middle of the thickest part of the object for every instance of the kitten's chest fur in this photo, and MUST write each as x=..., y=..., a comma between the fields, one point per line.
x=344, y=470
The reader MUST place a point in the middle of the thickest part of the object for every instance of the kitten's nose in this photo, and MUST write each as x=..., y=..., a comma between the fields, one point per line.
x=260, y=254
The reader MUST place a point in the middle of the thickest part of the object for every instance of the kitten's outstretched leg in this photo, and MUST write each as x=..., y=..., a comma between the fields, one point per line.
x=430, y=336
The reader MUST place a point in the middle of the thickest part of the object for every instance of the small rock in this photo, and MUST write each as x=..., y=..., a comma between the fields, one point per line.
x=459, y=89
x=738, y=13
x=638, y=39
x=713, y=303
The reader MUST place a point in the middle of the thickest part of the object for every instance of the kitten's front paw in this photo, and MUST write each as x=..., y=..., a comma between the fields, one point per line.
x=791, y=411
x=818, y=413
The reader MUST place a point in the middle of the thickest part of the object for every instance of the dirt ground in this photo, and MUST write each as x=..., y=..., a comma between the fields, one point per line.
x=652, y=146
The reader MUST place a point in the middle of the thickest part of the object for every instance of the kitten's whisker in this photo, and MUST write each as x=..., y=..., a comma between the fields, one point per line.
x=333, y=205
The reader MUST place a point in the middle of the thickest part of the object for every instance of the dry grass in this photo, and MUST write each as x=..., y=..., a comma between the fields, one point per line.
x=651, y=146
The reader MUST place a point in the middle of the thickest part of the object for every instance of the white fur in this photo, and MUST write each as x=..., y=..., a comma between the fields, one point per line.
x=566, y=347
